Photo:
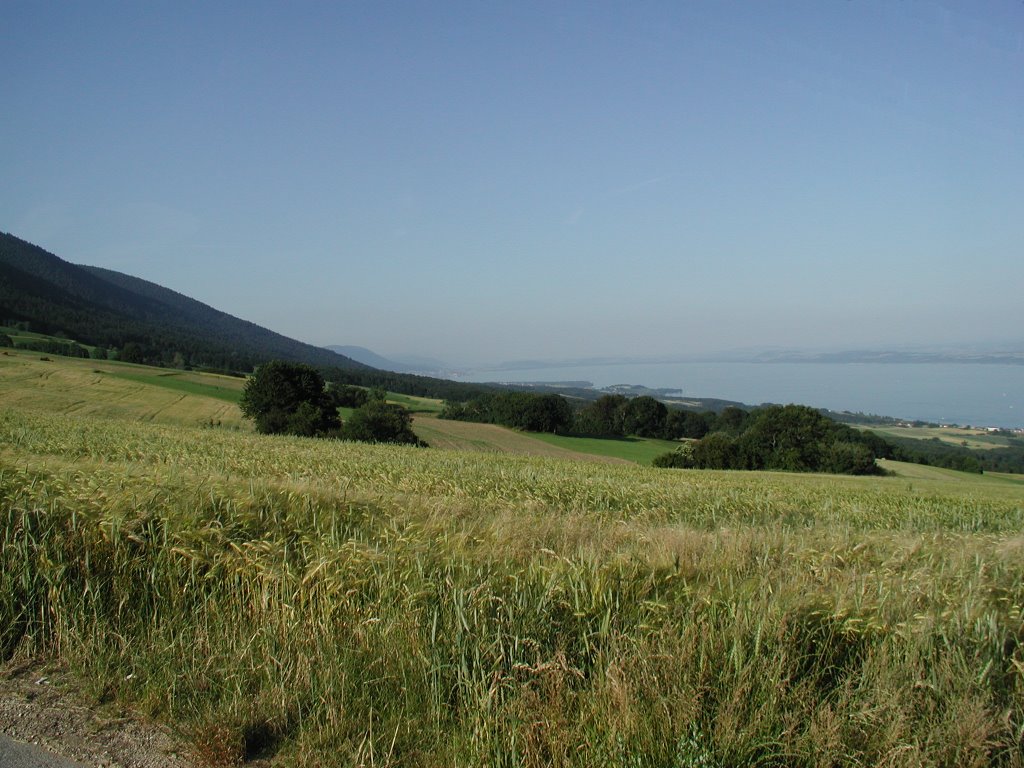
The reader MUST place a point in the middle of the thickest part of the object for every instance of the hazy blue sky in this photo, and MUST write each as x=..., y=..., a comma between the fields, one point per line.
x=496, y=180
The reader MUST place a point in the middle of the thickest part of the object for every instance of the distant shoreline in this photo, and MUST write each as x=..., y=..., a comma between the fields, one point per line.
x=829, y=358
x=961, y=393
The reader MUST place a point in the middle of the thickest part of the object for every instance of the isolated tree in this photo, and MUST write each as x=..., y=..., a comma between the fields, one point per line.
x=6, y=341
x=289, y=398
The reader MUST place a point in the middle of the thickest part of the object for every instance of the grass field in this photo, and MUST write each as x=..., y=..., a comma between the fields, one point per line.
x=119, y=390
x=318, y=603
x=491, y=438
x=425, y=405
x=75, y=387
x=642, y=450
x=226, y=388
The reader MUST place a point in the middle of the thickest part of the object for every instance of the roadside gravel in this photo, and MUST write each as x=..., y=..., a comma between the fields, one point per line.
x=45, y=724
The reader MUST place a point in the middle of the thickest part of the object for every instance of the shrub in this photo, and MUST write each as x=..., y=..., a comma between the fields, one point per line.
x=380, y=422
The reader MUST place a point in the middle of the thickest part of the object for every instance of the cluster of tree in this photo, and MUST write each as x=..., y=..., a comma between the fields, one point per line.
x=66, y=348
x=616, y=415
x=935, y=453
x=927, y=452
x=607, y=416
x=792, y=438
x=644, y=416
x=293, y=399
x=1010, y=459
x=519, y=410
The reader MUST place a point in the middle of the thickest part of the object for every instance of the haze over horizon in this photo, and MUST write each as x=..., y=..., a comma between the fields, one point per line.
x=484, y=183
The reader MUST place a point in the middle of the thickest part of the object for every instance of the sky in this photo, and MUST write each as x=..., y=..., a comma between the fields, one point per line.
x=488, y=181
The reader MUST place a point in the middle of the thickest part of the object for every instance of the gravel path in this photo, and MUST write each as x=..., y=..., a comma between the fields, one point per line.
x=45, y=724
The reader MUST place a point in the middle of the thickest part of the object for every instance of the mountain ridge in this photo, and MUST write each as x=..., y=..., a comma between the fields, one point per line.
x=155, y=324
x=374, y=360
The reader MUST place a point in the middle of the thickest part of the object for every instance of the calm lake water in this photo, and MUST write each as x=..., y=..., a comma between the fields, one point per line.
x=981, y=395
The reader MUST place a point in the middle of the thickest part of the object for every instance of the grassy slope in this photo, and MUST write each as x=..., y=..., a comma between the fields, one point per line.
x=468, y=436
x=425, y=405
x=641, y=450
x=121, y=390
x=226, y=388
x=965, y=482
x=491, y=438
x=75, y=386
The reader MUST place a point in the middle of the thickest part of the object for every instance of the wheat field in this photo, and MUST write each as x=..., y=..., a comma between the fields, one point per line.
x=316, y=602
x=325, y=603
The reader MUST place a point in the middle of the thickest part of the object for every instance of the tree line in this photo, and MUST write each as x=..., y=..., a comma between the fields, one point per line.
x=607, y=416
x=936, y=453
x=789, y=438
x=519, y=410
x=406, y=383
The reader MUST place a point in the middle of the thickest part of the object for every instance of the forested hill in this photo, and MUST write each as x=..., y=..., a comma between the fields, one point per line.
x=146, y=322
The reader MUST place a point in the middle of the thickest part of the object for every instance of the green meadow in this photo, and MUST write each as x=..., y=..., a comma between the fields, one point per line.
x=204, y=385
x=313, y=602
x=641, y=450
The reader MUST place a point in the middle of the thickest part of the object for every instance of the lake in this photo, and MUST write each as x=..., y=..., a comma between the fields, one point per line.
x=947, y=393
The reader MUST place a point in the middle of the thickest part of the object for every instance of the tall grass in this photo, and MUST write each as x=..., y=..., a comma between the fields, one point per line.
x=366, y=605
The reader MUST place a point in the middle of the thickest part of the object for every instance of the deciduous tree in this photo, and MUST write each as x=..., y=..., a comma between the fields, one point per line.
x=289, y=398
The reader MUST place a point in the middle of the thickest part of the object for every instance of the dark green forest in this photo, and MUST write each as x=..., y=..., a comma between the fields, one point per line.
x=142, y=321
x=407, y=383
